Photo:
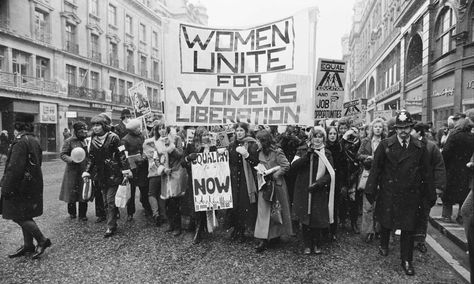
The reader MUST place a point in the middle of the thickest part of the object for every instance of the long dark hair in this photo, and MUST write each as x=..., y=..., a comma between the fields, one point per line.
x=266, y=140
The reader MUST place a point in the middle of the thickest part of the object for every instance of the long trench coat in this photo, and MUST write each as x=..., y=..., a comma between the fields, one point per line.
x=23, y=200
x=71, y=186
x=264, y=227
x=456, y=154
x=405, y=181
x=319, y=217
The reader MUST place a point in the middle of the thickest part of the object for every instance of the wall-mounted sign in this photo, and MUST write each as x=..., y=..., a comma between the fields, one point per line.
x=395, y=88
x=470, y=84
x=71, y=114
x=445, y=92
x=48, y=113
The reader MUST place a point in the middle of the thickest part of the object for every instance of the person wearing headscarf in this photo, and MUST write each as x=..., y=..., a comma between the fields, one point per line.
x=71, y=186
x=169, y=156
x=201, y=144
x=274, y=160
x=22, y=189
x=133, y=143
x=243, y=181
x=313, y=201
x=107, y=166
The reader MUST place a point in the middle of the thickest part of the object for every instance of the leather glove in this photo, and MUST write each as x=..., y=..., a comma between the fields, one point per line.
x=85, y=175
x=191, y=157
x=242, y=151
x=370, y=198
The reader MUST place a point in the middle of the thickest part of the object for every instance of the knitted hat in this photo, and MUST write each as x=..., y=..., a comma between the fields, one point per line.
x=102, y=119
x=134, y=124
x=78, y=126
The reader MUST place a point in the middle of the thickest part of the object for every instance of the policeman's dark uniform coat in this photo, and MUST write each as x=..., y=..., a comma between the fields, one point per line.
x=21, y=200
x=401, y=180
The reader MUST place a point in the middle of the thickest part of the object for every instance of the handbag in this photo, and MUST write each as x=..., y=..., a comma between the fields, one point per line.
x=123, y=194
x=364, y=176
x=268, y=191
x=275, y=215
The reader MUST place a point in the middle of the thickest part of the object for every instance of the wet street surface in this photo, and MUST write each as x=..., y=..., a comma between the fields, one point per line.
x=143, y=253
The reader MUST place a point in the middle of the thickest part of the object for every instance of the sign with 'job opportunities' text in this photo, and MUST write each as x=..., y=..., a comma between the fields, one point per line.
x=258, y=74
x=211, y=181
x=329, y=95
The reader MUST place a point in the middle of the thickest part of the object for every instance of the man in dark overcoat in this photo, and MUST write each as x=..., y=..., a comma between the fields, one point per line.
x=400, y=180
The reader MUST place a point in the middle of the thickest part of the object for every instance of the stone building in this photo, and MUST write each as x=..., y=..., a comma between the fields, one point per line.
x=65, y=60
x=415, y=54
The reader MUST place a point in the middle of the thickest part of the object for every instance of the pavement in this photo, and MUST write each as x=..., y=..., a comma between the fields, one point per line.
x=452, y=230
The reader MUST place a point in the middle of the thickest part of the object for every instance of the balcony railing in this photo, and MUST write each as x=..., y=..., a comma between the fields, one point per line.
x=113, y=61
x=85, y=93
x=414, y=72
x=42, y=35
x=72, y=47
x=27, y=82
x=96, y=56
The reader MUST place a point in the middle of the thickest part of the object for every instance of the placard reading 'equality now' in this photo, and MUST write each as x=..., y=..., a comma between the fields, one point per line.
x=259, y=74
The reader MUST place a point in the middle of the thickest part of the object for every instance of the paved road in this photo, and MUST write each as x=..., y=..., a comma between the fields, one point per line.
x=142, y=253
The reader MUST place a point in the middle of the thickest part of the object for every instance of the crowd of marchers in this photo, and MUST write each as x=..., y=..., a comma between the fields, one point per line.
x=380, y=177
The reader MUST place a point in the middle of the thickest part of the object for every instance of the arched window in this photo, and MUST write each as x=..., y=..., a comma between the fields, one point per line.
x=413, y=59
x=445, y=29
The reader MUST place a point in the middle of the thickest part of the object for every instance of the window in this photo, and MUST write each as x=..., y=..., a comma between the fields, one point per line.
x=21, y=62
x=71, y=45
x=112, y=15
x=71, y=75
x=155, y=71
x=83, y=77
x=41, y=26
x=143, y=66
x=128, y=25
x=112, y=85
x=3, y=65
x=94, y=80
x=149, y=93
x=154, y=41
x=130, y=66
x=142, y=32
x=113, y=54
x=121, y=90
x=129, y=85
x=95, y=54
x=42, y=68
x=446, y=27
x=472, y=23
x=94, y=7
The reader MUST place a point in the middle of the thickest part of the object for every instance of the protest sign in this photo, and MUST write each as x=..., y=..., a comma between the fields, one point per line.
x=355, y=111
x=259, y=74
x=329, y=95
x=139, y=99
x=211, y=181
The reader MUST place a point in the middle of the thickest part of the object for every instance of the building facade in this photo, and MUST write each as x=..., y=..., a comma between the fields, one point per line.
x=68, y=60
x=416, y=54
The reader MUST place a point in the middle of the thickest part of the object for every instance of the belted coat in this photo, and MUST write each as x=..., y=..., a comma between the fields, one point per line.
x=71, y=186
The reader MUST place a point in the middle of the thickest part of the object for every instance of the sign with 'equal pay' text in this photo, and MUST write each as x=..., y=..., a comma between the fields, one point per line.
x=211, y=181
x=258, y=74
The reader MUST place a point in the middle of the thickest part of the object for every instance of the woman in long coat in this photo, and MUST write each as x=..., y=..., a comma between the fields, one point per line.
x=174, y=177
x=456, y=154
x=377, y=132
x=200, y=144
x=243, y=181
x=317, y=164
x=71, y=187
x=270, y=157
x=22, y=189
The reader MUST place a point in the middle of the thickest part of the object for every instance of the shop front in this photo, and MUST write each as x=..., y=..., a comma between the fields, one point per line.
x=442, y=99
x=468, y=89
x=48, y=120
x=414, y=102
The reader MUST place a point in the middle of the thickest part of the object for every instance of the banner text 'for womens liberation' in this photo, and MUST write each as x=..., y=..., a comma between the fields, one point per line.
x=227, y=75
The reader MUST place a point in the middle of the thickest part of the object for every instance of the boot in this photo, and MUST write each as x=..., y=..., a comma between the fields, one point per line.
x=261, y=246
x=22, y=251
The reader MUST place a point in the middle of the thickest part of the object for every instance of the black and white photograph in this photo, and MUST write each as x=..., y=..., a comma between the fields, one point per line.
x=236, y=141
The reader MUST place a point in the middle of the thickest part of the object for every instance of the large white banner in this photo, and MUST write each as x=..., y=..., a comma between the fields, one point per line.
x=211, y=181
x=330, y=80
x=259, y=74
